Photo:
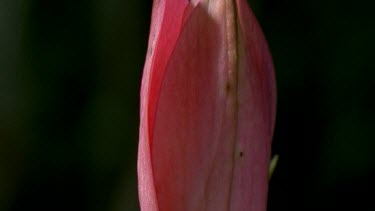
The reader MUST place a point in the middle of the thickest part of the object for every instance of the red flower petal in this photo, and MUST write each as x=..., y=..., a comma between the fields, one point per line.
x=167, y=19
x=207, y=111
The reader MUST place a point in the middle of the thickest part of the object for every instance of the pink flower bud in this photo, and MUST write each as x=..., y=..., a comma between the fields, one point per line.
x=208, y=102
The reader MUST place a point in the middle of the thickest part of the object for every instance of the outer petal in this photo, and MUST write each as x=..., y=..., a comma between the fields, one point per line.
x=167, y=19
x=256, y=114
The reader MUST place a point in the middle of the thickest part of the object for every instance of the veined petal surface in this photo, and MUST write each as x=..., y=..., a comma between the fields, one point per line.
x=207, y=112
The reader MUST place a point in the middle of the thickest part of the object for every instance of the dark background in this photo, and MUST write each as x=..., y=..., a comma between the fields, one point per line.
x=69, y=94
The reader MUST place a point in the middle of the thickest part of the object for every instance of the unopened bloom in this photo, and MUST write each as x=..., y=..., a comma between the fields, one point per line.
x=207, y=109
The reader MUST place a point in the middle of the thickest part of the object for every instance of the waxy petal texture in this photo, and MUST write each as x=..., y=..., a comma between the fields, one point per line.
x=207, y=109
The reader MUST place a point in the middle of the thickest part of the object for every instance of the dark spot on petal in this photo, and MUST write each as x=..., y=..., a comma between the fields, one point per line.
x=227, y=87
x=241, y=154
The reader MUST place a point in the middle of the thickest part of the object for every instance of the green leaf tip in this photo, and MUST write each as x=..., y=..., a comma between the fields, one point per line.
x=273, y=164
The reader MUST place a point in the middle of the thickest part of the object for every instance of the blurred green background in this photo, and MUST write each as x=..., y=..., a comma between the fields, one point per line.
x=69, y=94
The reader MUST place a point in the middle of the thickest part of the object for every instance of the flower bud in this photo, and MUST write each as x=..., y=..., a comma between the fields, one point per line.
x=208, y=102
